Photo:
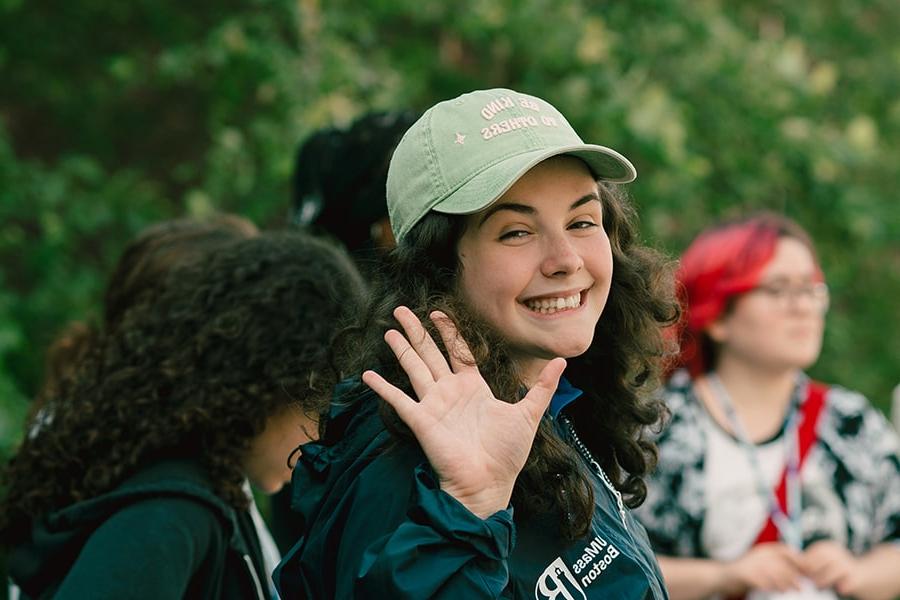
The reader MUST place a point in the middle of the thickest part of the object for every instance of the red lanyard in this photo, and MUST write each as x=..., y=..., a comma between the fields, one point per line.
x=810, y=411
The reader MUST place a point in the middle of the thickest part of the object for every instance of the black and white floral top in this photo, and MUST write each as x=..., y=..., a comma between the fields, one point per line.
x=703, y=500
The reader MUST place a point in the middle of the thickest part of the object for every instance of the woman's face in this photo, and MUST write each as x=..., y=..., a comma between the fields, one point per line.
x=537, y=264
x=265, y=463
x=779, y=324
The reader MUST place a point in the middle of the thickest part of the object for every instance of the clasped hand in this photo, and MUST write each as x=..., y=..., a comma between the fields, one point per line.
x=778, y=567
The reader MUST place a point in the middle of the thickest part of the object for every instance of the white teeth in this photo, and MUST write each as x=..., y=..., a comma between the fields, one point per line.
x=548, y=306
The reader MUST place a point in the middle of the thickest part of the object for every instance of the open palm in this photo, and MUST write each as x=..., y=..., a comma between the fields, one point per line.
x=476, y=443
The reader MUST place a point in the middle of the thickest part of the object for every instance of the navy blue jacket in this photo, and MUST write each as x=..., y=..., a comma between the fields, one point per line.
x=377, y=525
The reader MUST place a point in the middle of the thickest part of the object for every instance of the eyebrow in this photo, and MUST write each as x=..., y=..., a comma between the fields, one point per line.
x=529, y=210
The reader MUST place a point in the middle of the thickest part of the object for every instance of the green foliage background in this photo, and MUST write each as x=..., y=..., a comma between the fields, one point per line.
x=116, y=114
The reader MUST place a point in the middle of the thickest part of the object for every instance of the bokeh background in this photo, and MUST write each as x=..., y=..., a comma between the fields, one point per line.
x=116, y=114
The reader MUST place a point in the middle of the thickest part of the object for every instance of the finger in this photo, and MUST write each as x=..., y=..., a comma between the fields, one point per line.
x=538, y=397
x=793, y=558
x=419, y=374
x=780, y=582
x=848, y=584
x=817, y=570
x=818, y=565
x=424, y=345
x=786, y=577
x=828, y=579
x=457, y=348
x=780, y=574
x=842, y=571
x=397, y=398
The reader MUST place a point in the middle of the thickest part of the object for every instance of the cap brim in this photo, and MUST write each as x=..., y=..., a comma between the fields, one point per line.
x=494, y=180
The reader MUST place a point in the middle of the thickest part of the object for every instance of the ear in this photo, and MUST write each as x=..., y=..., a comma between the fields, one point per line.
x=718, y=330
x=382, y=235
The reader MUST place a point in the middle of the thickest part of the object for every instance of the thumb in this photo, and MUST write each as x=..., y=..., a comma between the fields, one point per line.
x=538, y=397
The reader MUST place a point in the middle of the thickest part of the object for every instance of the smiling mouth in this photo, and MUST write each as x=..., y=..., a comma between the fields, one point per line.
x=549, y=306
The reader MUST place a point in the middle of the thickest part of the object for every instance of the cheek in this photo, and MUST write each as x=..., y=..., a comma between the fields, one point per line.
x=479, y=293
x=490, y=284
x=598, y=259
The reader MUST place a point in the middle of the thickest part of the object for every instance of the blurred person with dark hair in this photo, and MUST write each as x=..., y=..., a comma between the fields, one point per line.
x=340, y=177
x=135, y=485
x=769, y=484
x=140, y=272
x=344, y=200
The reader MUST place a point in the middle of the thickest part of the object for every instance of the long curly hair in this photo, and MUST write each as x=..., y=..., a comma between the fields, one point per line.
x=618, y=374
x=193, y=372
x=140, y=271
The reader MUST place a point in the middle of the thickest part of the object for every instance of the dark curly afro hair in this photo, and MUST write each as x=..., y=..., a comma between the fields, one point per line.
x=193, y=372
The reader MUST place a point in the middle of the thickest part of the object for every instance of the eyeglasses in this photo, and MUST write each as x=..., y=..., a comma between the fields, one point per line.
x=784, y=295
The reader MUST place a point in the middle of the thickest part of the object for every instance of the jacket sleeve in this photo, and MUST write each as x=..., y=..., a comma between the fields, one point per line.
x=150, y=549
x=440, y=550
x=388, y=531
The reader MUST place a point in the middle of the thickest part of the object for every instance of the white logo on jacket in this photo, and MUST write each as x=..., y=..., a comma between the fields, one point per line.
x=557, y=581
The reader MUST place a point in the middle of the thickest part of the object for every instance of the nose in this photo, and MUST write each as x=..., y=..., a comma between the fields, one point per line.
x=803, y=303
x=809, y=299
x=561, y=257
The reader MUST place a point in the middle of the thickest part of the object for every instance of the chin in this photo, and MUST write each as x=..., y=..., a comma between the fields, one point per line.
x=807, y=357
x=579, y=347
x=569, y=350
x=807, y=362
x=273, y=489
x=268, y=487
x=796, y=361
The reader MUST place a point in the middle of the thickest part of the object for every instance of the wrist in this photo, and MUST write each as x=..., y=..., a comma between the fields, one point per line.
x=726, y=578
x=482, y=503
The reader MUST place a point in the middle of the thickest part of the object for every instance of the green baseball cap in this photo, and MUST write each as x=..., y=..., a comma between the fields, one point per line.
x=463, y=154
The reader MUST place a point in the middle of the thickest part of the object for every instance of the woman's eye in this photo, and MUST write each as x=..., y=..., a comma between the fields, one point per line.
x=515, y=234
x=582, y=225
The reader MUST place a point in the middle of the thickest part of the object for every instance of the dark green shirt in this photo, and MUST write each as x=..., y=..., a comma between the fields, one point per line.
x=161, y=534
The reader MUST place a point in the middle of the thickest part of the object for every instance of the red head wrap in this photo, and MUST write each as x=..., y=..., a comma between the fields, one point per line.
x=721, y=263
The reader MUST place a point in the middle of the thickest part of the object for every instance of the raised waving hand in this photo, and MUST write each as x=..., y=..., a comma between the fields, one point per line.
x=476, y=443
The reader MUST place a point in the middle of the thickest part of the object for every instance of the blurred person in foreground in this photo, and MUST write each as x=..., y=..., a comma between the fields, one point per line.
x=133, y=485
x=140, y=273
x=769, y=484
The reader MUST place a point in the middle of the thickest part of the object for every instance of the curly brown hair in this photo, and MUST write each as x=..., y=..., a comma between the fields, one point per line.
x=618, y=374
x=193, y=372
x=141, y=270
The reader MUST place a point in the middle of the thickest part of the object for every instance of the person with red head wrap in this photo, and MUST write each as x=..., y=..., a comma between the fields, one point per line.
x=720, y=265
x=769, y=484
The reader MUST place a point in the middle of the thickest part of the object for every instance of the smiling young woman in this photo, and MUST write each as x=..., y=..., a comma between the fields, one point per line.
x=460, y=464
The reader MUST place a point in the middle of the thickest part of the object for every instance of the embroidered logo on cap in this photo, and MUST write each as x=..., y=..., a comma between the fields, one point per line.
x=504, y=103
